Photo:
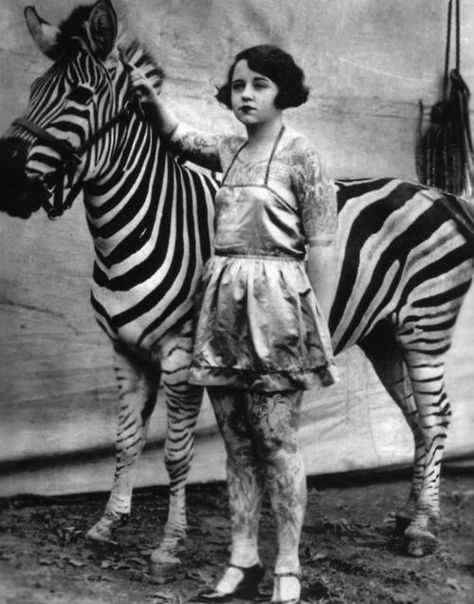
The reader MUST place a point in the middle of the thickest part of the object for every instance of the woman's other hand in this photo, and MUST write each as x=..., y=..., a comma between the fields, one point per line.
x=143, y=87
x=154, y=109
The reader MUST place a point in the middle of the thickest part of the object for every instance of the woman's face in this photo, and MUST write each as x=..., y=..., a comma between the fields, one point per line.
x=252, y=95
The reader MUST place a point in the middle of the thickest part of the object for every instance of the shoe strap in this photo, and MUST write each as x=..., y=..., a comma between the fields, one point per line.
x=290, y=573
x=244, y=568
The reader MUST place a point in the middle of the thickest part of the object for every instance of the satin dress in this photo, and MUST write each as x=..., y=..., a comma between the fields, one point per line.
x=258, y=323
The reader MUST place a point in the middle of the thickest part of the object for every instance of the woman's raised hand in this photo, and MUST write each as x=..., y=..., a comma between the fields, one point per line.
x=162, y=118
x=144, y=89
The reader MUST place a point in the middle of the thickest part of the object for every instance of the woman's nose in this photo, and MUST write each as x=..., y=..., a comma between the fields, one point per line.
x=247, y=92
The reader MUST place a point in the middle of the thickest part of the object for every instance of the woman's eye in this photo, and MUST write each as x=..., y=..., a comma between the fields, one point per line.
x=81, y=95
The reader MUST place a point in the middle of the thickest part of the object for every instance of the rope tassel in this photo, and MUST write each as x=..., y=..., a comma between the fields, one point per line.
x=444, y=157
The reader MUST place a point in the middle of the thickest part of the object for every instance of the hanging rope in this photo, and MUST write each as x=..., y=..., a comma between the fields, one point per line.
x=445, y=157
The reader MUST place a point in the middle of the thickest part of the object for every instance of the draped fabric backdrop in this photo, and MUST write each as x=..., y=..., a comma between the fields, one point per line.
x=368, y=63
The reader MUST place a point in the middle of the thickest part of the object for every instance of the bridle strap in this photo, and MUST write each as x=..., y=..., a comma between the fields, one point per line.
x=126, y=109
x=57, y=144
x=70, y=157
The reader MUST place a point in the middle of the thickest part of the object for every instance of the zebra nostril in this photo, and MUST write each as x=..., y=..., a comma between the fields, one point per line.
x=13, y=179
x=12, y=155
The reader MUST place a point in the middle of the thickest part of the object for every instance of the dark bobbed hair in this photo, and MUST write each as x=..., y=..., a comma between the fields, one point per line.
x=275, y=64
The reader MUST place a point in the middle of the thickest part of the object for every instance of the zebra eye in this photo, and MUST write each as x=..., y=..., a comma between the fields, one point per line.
x=81, y=95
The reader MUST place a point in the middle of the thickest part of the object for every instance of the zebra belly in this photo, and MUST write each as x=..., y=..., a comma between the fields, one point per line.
x=137, y=321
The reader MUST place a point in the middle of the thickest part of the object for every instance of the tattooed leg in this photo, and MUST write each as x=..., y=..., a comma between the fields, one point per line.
x=275, y=418
x=244, y=478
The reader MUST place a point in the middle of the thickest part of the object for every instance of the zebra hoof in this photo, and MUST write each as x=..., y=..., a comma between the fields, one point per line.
x=164, y=567
x=102, y=531
x=419, y=542
x=97, y=534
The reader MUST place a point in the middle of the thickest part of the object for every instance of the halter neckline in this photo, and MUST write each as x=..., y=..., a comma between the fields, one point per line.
x=272, y=153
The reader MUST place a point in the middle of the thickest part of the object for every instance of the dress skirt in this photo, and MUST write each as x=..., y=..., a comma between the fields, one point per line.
x=259, y=327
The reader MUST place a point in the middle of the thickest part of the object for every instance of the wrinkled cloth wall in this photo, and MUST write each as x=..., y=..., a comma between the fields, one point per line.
x=367, y=63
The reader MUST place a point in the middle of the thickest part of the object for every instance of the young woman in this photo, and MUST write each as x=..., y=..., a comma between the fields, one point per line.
x=261, y=330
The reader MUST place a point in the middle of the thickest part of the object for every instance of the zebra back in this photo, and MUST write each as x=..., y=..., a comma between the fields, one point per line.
x=401, y=258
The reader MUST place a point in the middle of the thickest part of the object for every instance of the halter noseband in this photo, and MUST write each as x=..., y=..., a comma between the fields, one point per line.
x=70, y=158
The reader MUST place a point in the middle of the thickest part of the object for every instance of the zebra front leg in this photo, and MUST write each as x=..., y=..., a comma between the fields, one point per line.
x=183, y=403
x=137, y=390
x=427, y=377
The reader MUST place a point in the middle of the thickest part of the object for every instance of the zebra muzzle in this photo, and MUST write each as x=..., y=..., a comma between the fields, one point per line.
x=20, y=196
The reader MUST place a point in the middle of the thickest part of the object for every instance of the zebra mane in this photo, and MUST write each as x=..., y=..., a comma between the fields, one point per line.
x=134, y=52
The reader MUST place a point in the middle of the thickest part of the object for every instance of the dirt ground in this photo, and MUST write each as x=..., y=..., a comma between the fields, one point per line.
x=348, y=553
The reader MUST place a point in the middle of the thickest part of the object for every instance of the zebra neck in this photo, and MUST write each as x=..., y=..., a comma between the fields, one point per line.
x=137, y=208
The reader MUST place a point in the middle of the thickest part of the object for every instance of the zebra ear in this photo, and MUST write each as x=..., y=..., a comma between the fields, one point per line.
x=43, y=33
x=103, y=28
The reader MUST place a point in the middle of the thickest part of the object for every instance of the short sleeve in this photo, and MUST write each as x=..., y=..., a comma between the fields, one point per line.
x=315, y=193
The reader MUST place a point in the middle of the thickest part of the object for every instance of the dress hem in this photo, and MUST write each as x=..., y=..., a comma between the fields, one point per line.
x=325, y=375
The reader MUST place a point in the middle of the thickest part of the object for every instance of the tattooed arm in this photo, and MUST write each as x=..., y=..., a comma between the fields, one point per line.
x=199, y=147
x=316, y=194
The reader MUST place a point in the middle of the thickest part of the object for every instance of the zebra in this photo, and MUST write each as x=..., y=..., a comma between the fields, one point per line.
x=405, y=262
x=151, y=221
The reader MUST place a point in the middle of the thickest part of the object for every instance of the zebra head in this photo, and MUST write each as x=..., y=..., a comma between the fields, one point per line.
x=77, y=113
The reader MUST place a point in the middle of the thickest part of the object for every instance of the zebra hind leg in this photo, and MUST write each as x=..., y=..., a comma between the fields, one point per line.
x=183, y=403
x=427, y=377
x=137, y=391
x=387, y=360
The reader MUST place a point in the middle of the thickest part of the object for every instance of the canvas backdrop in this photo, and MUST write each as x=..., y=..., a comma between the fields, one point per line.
x=368, y=63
